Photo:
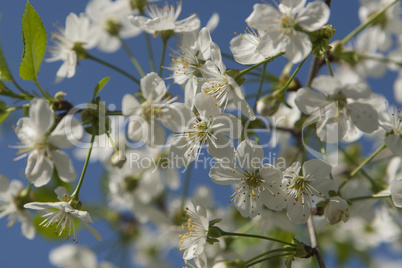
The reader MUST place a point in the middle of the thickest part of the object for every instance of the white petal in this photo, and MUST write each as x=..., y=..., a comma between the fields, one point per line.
x=394, y=143
x=206, y=105
x=204, y=44
x=130, y=105
x=92, y=231
x=67, y=133
x=244, y=49
x=41, y=115
x=327, y=84
x=364, y=116
x=298, y=212
x=39, y=169
x=4, y=184
x=314, y=16
x=398, y=88
x=291, y=6
x=153, y=87
x=156, y=134
x=249, y=155
x=244, y=107
x=27, y=226
x=63, y=165
x=226, y=173
x=298, y=47
x=316, y=169
x=396, y=192
x=228, y=125
x=221, y=148
x=308, y=101
x=262, y=16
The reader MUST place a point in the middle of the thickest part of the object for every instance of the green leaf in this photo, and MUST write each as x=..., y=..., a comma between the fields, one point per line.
x=34, y=41
x=3, y=111
x=5, y=74
x=100, y=85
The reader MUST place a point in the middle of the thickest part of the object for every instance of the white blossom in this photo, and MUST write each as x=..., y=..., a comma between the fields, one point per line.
x=165, y=19
x=63, y=216
x=303, y=189
x=391, y=121
x=337, y=210
x=194, y=240
x=279, y=27
x=77, y=34
x=41, y=146
x=9, y=193
x=110, y=21
x=257, y=183
x=208, y=127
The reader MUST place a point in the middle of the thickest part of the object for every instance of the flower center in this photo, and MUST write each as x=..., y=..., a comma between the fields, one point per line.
x=288, y=24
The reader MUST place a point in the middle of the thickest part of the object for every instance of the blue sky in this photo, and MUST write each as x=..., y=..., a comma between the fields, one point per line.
x=15, y=250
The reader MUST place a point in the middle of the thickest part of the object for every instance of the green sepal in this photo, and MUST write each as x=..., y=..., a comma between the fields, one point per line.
x=320, y=39
x=34, y=42
x=213, y=222
x=211, y=241
x=100, y=86
x=214, y=232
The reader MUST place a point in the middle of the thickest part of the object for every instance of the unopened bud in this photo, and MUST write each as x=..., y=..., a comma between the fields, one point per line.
x=269, y=104
x=118, y=159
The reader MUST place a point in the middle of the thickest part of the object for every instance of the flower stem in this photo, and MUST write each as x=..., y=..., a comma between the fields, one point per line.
x=374, y=196
x=74, y=195
x=111, y=141
x=257, y=236
x=324, y=52
x=132, y=57
x=47, y=96
x=380, y=59
x=270, y=252
x=269, y=258
x=111, y=66
x=367, y=160
x=285, y=87
x=314, y=242
x=149, y=46
x=367, y=23
x=243, y=72
x=260, y=85
x=162, y=57
x=186, y=185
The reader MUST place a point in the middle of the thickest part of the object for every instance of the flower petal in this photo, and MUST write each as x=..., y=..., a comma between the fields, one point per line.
x=63, y=165
x=313, y=16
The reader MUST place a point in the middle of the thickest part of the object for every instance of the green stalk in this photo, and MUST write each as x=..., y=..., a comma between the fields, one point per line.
x=149, y=46
x=162, y=57
x=186, y=185
x=367, y=23
x=132, y=57
x=260, y=85
x=367, y=160
x=257, y=236
x=74, y=195
x=243, y=72
x=268, y=258
x=111, y=66
x=327, y=62
x=374, y=196
x=111, y=141
x=285, y=87
x=270, y=252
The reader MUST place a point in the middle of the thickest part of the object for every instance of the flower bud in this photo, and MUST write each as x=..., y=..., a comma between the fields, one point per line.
x=269, y=104
x=118, y=159
x=336, y=210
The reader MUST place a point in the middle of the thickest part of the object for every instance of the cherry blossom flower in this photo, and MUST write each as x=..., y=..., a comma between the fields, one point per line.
x=192, y=54
x=41, y=147
x=257, y=184
x=341, y=112
x=110, y=21
x=222, y=86
x=301, y=189
x=165, y=19
x=77, y=35
x=63, y=215
x=381, y=31
x=391, y=121
x=194, y=240
x=209, y=127
x=142, y=125
x=280, y=28
x=9, y=192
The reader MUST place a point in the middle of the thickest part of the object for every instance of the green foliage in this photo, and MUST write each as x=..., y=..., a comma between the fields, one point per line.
x=5, y=74
x=100, y=86
x=34, y=41
x=3, y=111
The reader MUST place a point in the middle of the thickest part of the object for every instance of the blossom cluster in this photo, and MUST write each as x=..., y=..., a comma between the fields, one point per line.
x=334, y=109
